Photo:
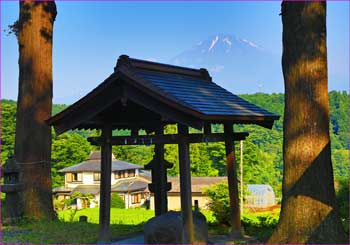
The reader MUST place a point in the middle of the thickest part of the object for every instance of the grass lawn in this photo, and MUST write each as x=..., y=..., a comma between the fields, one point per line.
x=118, y=216
x=63, y=231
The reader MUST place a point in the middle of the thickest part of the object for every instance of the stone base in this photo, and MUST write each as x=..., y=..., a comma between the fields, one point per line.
x=237, y=234
x=168, y=229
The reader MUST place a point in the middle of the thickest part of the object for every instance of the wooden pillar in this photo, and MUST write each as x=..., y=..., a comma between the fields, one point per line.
x=159, y=177
x=105, y=187
x=185, y=185
x=232, y=181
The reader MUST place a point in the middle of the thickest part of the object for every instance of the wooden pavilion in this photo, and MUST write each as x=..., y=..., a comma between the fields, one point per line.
x=147, y=95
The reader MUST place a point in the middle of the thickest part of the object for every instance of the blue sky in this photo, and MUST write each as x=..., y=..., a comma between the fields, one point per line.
x=89, y=37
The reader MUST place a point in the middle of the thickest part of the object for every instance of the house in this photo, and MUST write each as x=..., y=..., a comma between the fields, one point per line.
x=85, y=178
x=260, y=196
x=198, y=186
x=129, y=180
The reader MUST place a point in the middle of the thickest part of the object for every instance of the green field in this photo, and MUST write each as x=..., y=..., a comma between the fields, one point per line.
x=118, y=216
x=65, y=231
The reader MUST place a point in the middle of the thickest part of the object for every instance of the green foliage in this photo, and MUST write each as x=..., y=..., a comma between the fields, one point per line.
x=135, y=154
x=343, y=202
x=117, y=201
x=339, y=107
x=8, y=125
x=67, y=149
x=260, y=225
x=263, y=162
x=219, y=202
x=340, y=160
x=255, y=224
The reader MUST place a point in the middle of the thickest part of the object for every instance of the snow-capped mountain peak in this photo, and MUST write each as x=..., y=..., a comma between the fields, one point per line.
x=228, y=41
x=250, y=43
x=213, y=43
x=233, y=61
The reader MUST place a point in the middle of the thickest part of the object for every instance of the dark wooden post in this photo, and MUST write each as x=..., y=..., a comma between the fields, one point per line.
x=185, y=185
x=105, y=187
x=159, y=152
x=232, y=181
x=159, y=185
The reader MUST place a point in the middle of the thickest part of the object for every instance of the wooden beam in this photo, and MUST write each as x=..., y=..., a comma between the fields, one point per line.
x=87, y=109
x=185, y=185
x=105, y=186
x=168, y=139
x=232, y=182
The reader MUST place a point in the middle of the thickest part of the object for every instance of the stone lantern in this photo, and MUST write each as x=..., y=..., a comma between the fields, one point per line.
x=12, y=187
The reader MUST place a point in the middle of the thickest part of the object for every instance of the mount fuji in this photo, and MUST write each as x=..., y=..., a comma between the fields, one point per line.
x=237, y=64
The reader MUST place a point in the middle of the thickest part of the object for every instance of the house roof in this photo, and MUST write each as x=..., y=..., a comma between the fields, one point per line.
x=93, y=164
x=96, y=155
x=135, y=184
x=84, y=189
x=198, y=183
x=142, y=92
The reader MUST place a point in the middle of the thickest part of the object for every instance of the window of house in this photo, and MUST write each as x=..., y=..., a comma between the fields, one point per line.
x=69, y=177
x=121, y=174
x=131, y=173
x=136, y=198
x=117, y=174
x=77, y=177
x=97, y=176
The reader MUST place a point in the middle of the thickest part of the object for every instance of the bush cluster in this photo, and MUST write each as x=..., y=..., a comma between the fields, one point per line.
x=343, y=203
x=117, y=201
x=260, y=225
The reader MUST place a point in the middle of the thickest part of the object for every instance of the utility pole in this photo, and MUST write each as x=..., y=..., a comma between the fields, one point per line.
x=241, y=166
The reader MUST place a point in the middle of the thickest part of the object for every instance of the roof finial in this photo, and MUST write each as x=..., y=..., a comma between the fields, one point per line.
x=123, y=60
x=205, y=74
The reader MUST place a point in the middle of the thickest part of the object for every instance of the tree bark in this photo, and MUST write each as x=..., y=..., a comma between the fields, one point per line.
x=309, y=212
x=34, y=31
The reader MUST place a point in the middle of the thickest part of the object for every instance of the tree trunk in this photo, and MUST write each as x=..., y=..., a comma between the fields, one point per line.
x=309, y=211
x=34, y=31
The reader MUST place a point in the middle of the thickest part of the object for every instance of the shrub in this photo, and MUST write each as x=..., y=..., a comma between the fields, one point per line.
x=117, y=201
x=260, y=225
x=343, y=203
x=219, y=202
x=58, y=205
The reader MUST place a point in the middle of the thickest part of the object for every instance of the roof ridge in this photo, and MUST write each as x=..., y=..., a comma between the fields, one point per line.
x=125, y=60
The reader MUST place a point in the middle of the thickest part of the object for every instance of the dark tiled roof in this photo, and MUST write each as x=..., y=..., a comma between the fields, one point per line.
x=201, y=95
x=96, y=155
x=198, y=183
x=146, y=174
x=126, y=185
x=95, y=166
x=84, y=189
x=177, y=94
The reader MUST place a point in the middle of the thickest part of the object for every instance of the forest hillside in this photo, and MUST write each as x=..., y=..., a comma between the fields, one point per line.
x=262, y=159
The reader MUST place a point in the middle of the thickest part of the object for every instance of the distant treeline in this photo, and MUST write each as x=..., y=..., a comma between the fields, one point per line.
x=262, y=159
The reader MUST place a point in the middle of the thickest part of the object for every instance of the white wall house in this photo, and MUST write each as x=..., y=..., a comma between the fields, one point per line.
x=85, y=178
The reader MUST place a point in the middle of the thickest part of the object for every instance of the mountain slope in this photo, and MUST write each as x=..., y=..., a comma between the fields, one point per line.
x=238, y=64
